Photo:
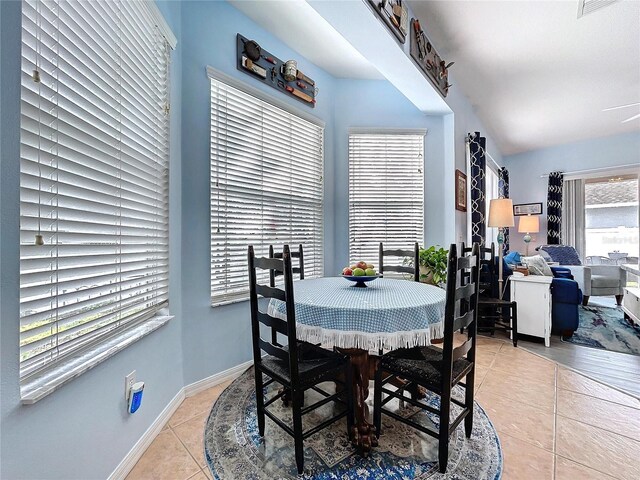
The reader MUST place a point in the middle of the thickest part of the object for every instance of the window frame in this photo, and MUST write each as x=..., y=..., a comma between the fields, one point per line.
x=392, y=132
x=261, y=96
x=90, y=348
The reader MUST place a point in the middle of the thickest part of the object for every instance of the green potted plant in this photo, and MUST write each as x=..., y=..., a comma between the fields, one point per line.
x=433, y=264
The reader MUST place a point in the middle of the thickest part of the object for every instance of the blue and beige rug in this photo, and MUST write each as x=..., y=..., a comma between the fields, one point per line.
x=606, y=328
x=234, y=450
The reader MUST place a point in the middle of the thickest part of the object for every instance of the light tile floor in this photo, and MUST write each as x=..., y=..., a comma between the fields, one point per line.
x=553, y=423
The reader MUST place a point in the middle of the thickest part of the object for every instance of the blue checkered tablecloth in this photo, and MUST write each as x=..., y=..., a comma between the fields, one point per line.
x=387, y=314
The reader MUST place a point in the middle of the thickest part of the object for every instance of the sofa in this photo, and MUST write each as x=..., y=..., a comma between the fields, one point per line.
x=594, y=280
x=566, y=297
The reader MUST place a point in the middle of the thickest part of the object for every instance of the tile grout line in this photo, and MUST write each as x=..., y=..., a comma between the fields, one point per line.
x=609, y=475
x=599, y=428
x=188, y=451
x=524, y=441
x=605, y=399
x=588, y=375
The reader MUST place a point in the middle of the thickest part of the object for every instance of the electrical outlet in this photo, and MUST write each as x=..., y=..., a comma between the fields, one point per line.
x=129, y=380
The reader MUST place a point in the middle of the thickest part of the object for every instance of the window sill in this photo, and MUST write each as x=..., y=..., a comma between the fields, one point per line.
x=222, y=303
x=51, y=380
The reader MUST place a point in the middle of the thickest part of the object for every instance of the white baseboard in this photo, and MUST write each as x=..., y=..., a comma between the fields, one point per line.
x=216, y=379
x=132, y=457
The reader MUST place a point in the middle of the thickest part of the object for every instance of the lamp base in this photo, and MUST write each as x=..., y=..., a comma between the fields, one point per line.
x=526, y=239
x=500, y=242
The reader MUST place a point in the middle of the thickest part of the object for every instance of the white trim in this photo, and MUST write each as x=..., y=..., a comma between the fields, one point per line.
x=47, y=381
x=387, y=131
x=132, y=457
x=250, y=90
x=160, y=22
x=216, y=379
x=599, y=172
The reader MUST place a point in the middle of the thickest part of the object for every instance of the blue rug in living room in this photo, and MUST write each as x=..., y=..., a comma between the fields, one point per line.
x=606, y=328
x=234, y=449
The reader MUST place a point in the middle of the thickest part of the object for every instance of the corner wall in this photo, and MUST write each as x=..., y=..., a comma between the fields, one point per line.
x=82, y=430
x=215, y=339
x=377, y=104
x=526, y=170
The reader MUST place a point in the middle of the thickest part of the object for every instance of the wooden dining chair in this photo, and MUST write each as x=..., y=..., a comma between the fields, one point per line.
x=414, y=269
x=272, y=279
x=494, y=313
x=294, y=254
x=297, y=366
x=487, y=255
x=435, y=369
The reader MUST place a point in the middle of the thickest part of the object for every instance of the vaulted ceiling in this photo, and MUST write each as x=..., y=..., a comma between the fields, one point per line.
x=536, y=73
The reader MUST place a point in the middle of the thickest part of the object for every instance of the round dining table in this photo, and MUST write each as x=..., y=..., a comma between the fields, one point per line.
x=386, y=315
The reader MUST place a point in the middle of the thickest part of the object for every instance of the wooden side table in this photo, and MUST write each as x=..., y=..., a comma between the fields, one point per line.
x=533, y=296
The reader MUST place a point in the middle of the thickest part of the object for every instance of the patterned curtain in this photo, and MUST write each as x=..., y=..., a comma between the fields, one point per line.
x=554, y=209
x=478, y=178
x=503, y=192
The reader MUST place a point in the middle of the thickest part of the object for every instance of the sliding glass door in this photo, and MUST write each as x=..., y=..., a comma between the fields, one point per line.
x=611, y=219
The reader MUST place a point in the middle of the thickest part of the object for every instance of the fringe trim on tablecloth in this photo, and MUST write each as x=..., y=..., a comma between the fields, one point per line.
x=369, y=341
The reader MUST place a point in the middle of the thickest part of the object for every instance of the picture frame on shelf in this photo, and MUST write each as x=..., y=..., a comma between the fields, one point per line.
x=461, y=191
x=523, y=209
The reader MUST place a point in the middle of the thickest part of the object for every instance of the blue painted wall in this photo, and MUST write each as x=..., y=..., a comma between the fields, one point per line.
x=53, y=440
x=378, y=104
x=81, y=431
x=526, y=169
x=215, y=339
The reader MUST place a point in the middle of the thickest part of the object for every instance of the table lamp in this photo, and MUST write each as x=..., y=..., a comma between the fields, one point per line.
x=527, y=225
x=500, y=216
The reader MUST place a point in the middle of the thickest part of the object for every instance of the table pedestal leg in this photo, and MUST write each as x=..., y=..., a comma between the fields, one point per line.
x=363, y=433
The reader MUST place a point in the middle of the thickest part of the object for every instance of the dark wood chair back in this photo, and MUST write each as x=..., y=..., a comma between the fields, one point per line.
x=412, y=269
x=461, y=309
x=285, y=327
x=296, y=270
x=487, y=260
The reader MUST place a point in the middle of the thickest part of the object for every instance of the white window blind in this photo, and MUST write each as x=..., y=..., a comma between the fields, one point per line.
x=266, y=187
x=93, y=174
x=386, y=193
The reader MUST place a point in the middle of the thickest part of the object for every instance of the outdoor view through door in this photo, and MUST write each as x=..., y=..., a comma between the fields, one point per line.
x=611, y=219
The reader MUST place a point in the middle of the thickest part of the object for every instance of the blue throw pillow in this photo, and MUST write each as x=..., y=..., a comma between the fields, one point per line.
x=512, y=258
x=563, y=254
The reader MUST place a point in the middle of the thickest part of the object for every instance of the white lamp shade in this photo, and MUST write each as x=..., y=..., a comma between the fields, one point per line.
x=529, y=224
x=501, y=213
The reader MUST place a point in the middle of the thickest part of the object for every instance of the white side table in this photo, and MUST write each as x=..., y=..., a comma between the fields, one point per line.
x=533, y=295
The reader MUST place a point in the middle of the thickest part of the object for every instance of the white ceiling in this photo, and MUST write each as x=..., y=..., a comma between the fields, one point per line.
x=536, y=74
x=299, y=26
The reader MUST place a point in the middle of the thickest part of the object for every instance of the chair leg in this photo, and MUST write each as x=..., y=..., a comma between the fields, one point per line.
x=377, y=401
x=297, y=429
x=443, y=433
x=351, y=421
x=468, y=401
x=259, y=401
x=514, y=325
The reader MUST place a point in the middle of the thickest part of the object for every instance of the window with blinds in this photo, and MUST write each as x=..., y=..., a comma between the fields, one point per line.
x=93, y=174
x=266, y=187
x=386, y=193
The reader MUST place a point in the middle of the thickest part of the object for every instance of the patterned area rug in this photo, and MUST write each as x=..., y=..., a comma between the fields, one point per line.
x=606, y=328
x=234, y=450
